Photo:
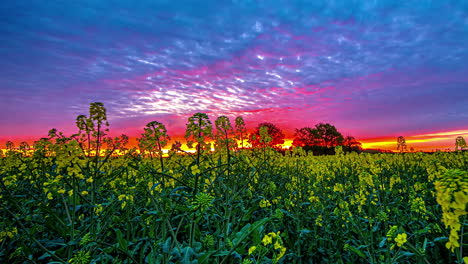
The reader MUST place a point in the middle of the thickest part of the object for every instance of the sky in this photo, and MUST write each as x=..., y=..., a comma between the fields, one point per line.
x=374, y=69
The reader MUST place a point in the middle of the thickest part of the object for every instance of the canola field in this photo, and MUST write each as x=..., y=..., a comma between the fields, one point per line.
x=60, y=205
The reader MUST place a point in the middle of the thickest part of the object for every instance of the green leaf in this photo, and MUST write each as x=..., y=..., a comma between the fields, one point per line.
x=382, y=243
x=442, y=239
x=424, y=245
x=249, y=213
x=357, y=251
x=166, y=246
x=122, y=242
x=44, y=256
x=407, y=253
x=205, y=257
x=222, y=253
x=246, y=230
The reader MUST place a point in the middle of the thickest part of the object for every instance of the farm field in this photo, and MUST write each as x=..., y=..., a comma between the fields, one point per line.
x=59, y=205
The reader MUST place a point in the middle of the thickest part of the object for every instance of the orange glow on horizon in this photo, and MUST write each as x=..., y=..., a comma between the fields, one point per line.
x=425, y=142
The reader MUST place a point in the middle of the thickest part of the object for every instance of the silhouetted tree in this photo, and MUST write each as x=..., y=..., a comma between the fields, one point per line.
x=10, y=145
x=323, y=138
x=351, y=144
x=402, y=147
x=306, y=136
x=272, y=136
x=329, y=135
x=460, y=143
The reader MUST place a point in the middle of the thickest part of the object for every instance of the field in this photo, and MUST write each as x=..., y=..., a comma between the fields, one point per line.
x=60, y=205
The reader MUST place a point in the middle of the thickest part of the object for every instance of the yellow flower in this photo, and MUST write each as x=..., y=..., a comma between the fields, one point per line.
x=264, y=203
x=195, y=169
x=391, y=232
x=401, y=239
x=90, y=180
x=272, y=234
x=280, y=255
x=452, y=244
x=61, y=191
x=465, y=260
x=461, y=198
x=98, y=209
x=267, y=240
x=70, y=192
x=49, y=196
x=84, y=193
x=252, y=250
x=277, y=245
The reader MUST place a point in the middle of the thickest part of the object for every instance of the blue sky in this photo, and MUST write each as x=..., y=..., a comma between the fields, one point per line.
x=372, y=68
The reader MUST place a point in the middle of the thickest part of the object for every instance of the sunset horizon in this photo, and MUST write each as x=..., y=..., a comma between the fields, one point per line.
x=427, y=142
x=376, y=71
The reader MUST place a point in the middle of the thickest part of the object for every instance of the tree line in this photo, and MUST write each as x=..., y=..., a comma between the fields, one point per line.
x=93, y=130
x=320, y=139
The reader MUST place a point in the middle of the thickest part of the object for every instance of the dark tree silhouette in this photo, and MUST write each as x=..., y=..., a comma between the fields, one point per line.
x=329, y=135
x=460, y=143
x=351, y=144
x=306, y=136
x=402, y=147
x=10, y=145
x=274, y=137
x=324, y=135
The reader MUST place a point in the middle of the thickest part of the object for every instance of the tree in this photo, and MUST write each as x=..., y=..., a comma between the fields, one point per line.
x=351, y=144
x=460, y=143
x=10, y=145
x=402, y=147
x=306, y=136
x=271, y=135
x=329, y=135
